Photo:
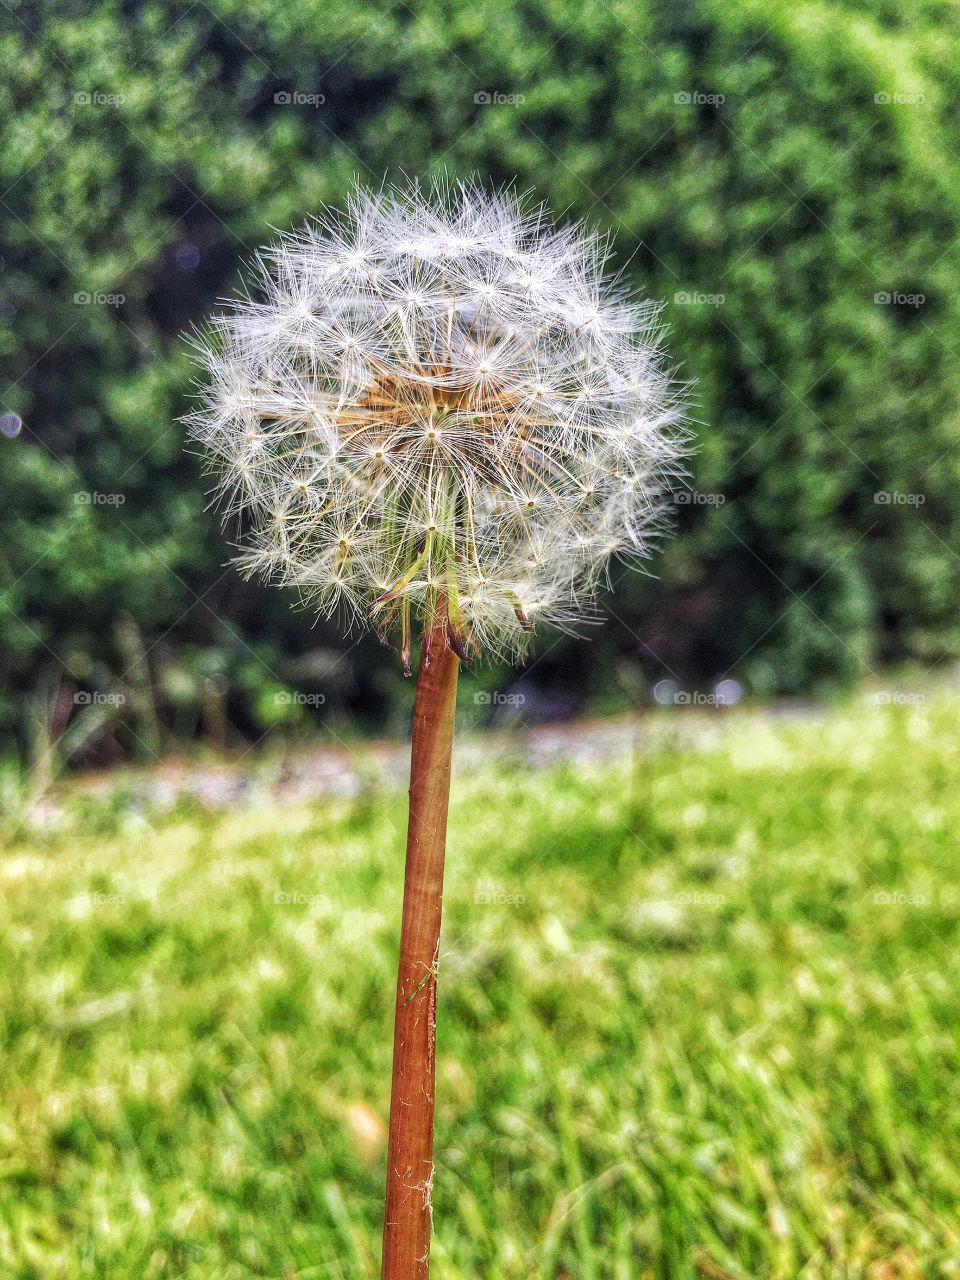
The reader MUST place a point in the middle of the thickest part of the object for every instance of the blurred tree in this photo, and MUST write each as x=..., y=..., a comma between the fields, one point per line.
x=785, y=175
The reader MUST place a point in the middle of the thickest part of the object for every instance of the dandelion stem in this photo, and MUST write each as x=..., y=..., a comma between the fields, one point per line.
x=408, y=1213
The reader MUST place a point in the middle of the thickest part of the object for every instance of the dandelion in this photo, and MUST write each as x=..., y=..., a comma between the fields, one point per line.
x=436, y=412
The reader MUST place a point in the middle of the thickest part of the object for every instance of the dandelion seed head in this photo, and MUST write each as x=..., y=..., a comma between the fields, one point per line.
x=438, y=402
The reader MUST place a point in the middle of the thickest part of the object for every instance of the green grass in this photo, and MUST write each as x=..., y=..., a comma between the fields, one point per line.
x=698, y=1018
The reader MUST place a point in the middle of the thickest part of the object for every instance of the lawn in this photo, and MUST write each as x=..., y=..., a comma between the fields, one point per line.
x=698, y=1018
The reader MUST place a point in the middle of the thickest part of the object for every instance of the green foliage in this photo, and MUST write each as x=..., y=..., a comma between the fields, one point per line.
x=697, y=1017
x=145, y=150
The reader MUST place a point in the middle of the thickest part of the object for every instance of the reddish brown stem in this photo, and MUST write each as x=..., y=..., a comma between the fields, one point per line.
x=408, y=1213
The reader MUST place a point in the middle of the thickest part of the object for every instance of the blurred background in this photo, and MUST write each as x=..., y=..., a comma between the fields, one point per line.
x=699, y=967
x=783, y=175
